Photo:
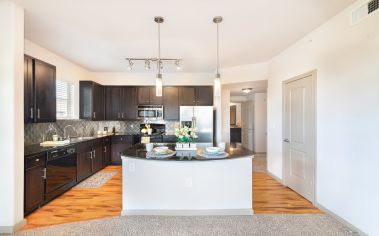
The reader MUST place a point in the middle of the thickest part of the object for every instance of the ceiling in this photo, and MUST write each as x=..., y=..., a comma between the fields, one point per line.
x=257, y=86
x=99, y=34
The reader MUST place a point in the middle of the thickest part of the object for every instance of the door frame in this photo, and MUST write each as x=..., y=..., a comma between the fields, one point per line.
x=313, y=75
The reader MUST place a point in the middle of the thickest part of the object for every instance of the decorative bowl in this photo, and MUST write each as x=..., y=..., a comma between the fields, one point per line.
x=213, y=150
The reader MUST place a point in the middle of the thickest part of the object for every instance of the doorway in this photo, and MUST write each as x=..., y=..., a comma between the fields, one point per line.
x=299, y=134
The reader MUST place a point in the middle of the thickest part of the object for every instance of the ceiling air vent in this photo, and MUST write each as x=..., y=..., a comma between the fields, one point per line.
x=364, y=11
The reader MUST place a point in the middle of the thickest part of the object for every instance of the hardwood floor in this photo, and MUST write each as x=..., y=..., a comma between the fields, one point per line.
x=269, y=197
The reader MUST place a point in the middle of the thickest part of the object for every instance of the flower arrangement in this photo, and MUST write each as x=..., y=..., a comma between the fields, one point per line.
x=147, y=129
x=185, y=134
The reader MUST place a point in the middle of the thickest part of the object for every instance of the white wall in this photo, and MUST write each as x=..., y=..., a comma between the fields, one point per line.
x=347, y=62
x=149, y=78
x=12, y=122
x=243, y=73
x=66, y=70
x=260, y=122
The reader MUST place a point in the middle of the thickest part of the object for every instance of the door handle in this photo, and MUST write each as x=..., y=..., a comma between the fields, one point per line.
x=286, y=140
x=44, y=173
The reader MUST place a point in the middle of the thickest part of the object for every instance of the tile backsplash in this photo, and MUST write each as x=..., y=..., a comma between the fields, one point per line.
x=35, y=132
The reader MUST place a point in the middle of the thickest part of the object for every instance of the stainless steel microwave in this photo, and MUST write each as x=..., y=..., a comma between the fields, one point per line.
x=151, y=112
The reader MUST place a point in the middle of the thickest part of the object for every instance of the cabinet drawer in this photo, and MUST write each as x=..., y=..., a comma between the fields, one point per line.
x=36, y=160
x=122, y=138
x=106, y=141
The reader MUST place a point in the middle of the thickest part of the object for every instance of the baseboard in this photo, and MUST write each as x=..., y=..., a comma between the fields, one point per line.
x=12, y=229
x=221, y=212
x=275, y=177
x=341, y=220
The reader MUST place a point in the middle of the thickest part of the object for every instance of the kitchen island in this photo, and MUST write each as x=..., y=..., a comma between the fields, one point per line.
x=187, y=183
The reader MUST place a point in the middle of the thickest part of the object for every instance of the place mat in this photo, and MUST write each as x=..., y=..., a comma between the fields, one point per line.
x=155, y=155
x=97, y=180
x=213, y=156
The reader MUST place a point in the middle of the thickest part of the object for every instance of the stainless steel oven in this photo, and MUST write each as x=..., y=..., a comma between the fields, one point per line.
x=151, y=112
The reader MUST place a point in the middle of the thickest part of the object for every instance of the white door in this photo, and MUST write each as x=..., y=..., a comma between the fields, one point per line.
x=299, y=135
x=247, y=125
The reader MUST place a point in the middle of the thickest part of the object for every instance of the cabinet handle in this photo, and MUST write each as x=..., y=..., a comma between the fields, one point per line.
x=94, y=153
x=91, y=155
x=122, y=115
x=105, y=148
x=118, y=115
x=94, y=115
x=31, y=113
x=38, y=113
x=37, y=159
x=44, y=173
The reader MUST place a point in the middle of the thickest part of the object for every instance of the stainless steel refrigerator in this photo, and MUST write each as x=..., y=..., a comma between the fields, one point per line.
x=202, y=118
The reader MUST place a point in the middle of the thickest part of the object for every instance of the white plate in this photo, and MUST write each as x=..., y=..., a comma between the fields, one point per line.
x=213, y=149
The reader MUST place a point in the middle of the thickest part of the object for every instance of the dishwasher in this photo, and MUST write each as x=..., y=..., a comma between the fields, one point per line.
x=61, y=170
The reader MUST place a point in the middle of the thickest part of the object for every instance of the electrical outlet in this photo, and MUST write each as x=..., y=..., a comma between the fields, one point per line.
x=132, y=167
x=188, y=182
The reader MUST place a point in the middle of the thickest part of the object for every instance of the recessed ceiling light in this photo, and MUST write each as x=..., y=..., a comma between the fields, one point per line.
x=247, y=90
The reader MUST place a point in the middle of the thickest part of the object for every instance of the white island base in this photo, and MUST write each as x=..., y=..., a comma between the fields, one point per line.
x=159, y=187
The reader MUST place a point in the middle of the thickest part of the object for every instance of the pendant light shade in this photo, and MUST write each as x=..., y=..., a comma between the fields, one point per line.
x=158, y=85
x=217, y=79
x=217, y=86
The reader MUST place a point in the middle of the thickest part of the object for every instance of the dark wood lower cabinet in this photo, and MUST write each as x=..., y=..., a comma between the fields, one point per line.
x=84, y=154
x=106, y=151
x=97, y=157
x=34, y=182
x=119, y=144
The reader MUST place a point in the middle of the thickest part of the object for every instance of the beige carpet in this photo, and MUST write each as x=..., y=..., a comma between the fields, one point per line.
x=97, y=180
x=200, y=225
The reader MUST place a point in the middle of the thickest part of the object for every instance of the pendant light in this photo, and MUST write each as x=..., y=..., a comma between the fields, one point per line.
x=217, y=81
x=158, y=79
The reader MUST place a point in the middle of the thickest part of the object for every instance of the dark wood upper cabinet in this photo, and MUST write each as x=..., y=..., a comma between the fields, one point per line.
x=28, y=90
x=91, y=101
x=171, y=103
x=129, y=103
x=113, y=103
x=204, y=96
x=154, y=100
x=143, y=95
x=39, y=91
x=187, y=96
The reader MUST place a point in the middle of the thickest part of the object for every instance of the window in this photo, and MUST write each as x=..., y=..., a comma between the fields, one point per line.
x=65, y=100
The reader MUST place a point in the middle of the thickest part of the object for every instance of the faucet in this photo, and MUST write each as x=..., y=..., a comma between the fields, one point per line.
x=64, y=132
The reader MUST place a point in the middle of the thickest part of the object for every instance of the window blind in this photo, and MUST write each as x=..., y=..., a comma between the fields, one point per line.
x=65, y=100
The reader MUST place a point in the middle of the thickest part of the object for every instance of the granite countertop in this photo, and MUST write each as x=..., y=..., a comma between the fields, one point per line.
x=138, y=151
x=37, y=148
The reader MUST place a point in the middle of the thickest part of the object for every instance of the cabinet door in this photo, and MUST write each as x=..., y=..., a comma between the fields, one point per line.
x=187, y=96
x=171, y=103
x=118, y=145
x=204, y=96
x=106, y=154
x=143, y=95
x=129, y=103
x=34, y=188
x=84, y=162
x=154, y=100
x=45, y=95
x=29, y=111
x=97, y=158
x=98, y=102
x=113, y=103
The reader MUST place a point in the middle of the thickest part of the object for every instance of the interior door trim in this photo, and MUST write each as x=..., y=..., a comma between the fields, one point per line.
x=313, y=75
